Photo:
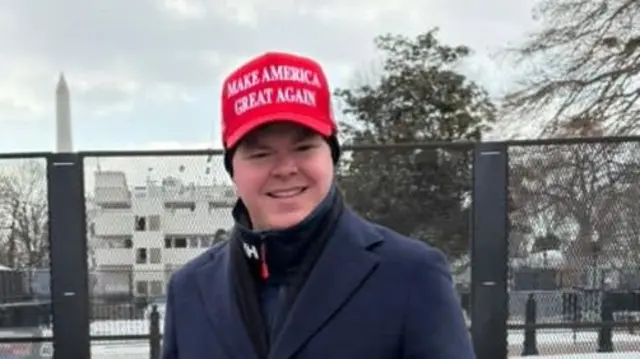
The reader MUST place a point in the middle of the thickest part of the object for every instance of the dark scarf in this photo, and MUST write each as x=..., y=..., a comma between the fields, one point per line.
x=287, y=256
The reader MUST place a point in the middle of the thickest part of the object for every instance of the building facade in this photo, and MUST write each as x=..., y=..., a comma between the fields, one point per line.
x=138, y=236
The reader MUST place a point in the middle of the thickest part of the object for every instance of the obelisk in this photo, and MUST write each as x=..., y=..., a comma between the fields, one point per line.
x=63, y=117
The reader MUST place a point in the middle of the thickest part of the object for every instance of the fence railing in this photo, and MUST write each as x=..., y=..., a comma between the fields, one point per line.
x=543, y=235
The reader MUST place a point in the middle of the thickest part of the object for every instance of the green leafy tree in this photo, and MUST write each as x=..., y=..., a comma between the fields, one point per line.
x=422, y=191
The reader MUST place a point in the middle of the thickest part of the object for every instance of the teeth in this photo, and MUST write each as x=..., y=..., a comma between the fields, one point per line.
x=287, y=193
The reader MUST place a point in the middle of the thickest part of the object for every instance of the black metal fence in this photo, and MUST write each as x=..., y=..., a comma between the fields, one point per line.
x=574, y=245
x=89, y=240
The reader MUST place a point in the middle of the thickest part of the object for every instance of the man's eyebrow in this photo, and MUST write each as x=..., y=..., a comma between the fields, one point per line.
x=253, y=144
x=305, y=135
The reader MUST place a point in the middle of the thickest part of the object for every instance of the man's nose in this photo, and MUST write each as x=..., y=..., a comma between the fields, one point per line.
x=285, y=165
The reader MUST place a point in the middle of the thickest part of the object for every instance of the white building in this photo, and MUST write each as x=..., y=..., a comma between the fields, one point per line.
x=139, y=236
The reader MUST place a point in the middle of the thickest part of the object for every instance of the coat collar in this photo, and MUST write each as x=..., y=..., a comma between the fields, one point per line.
x=344, y=265
x=216, y=293
x=342, y=268
x=281, y=251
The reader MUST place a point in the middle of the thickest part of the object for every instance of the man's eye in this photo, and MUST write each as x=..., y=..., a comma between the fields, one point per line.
x=304, y=148
x=259, y=155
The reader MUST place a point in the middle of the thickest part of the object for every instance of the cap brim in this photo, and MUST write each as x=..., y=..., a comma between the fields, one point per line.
x=319, y=126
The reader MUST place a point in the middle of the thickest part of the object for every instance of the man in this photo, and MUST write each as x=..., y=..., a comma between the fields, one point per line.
x=302, y=276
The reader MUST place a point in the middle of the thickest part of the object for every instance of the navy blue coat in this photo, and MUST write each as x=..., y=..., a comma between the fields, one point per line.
x=372, y=294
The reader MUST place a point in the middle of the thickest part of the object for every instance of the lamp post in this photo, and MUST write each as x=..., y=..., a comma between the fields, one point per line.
x=595, y=252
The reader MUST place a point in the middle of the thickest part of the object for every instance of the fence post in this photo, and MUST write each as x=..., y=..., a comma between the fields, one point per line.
x=154, y=333
x=489, y=251
x=68, y=250
x=605, y=340
x=530, y=346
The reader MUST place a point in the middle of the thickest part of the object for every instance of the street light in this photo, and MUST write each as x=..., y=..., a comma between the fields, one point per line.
x=595, y=251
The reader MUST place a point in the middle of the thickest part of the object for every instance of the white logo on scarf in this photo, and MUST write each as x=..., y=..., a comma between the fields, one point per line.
x=250, y=251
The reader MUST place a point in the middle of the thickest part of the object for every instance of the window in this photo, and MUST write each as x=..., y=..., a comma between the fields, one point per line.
x=154, y=223
x=155, y=255
x=117, y=242
x=156, y=288
x=187, y=241
x=142, y=288
x=141, y=256
x=180, y=242
x=140, y=223
x=180, y=207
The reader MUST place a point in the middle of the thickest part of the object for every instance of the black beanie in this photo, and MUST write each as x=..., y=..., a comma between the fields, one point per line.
x=331, y=140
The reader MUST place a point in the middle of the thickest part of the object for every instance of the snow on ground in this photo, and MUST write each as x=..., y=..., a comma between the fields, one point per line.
x=135, y=353
x=586, y=356
x=564, y=336
x=545, y=338
x=122, y=327
x=142, y=351
x=549, y=338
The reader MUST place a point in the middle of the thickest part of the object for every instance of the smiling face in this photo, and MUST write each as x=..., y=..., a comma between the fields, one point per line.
x=282, y=171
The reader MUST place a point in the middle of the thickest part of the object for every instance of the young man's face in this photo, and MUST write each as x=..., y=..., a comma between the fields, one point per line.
x=281, y=172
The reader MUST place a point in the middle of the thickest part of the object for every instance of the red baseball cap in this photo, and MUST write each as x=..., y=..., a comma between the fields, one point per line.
x=276, y=87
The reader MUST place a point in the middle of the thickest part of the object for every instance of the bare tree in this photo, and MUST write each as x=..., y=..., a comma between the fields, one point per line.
x=628, y=224
x=585, y=67
x=584, y=194
x=24, y=237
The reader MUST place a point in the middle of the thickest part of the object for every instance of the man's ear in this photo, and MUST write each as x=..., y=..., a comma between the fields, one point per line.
x=228, y=161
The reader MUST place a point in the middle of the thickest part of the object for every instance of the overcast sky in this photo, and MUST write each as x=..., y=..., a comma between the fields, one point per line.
x=146, y=74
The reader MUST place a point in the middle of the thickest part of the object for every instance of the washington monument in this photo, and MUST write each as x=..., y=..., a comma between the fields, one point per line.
x=63, y=117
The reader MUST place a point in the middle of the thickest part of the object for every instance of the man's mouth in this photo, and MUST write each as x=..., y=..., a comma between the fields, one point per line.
x=288, y=193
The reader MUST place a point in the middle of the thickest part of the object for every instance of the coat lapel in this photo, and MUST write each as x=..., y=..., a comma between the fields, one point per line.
x=214, y=283
x=343, y=266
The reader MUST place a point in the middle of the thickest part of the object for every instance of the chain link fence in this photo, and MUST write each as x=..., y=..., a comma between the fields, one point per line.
x=25, y=296
x=420, y=191
x=574, y=242
x=147, y=216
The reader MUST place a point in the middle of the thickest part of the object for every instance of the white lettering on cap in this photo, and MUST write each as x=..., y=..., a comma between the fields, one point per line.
x=283, y=89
